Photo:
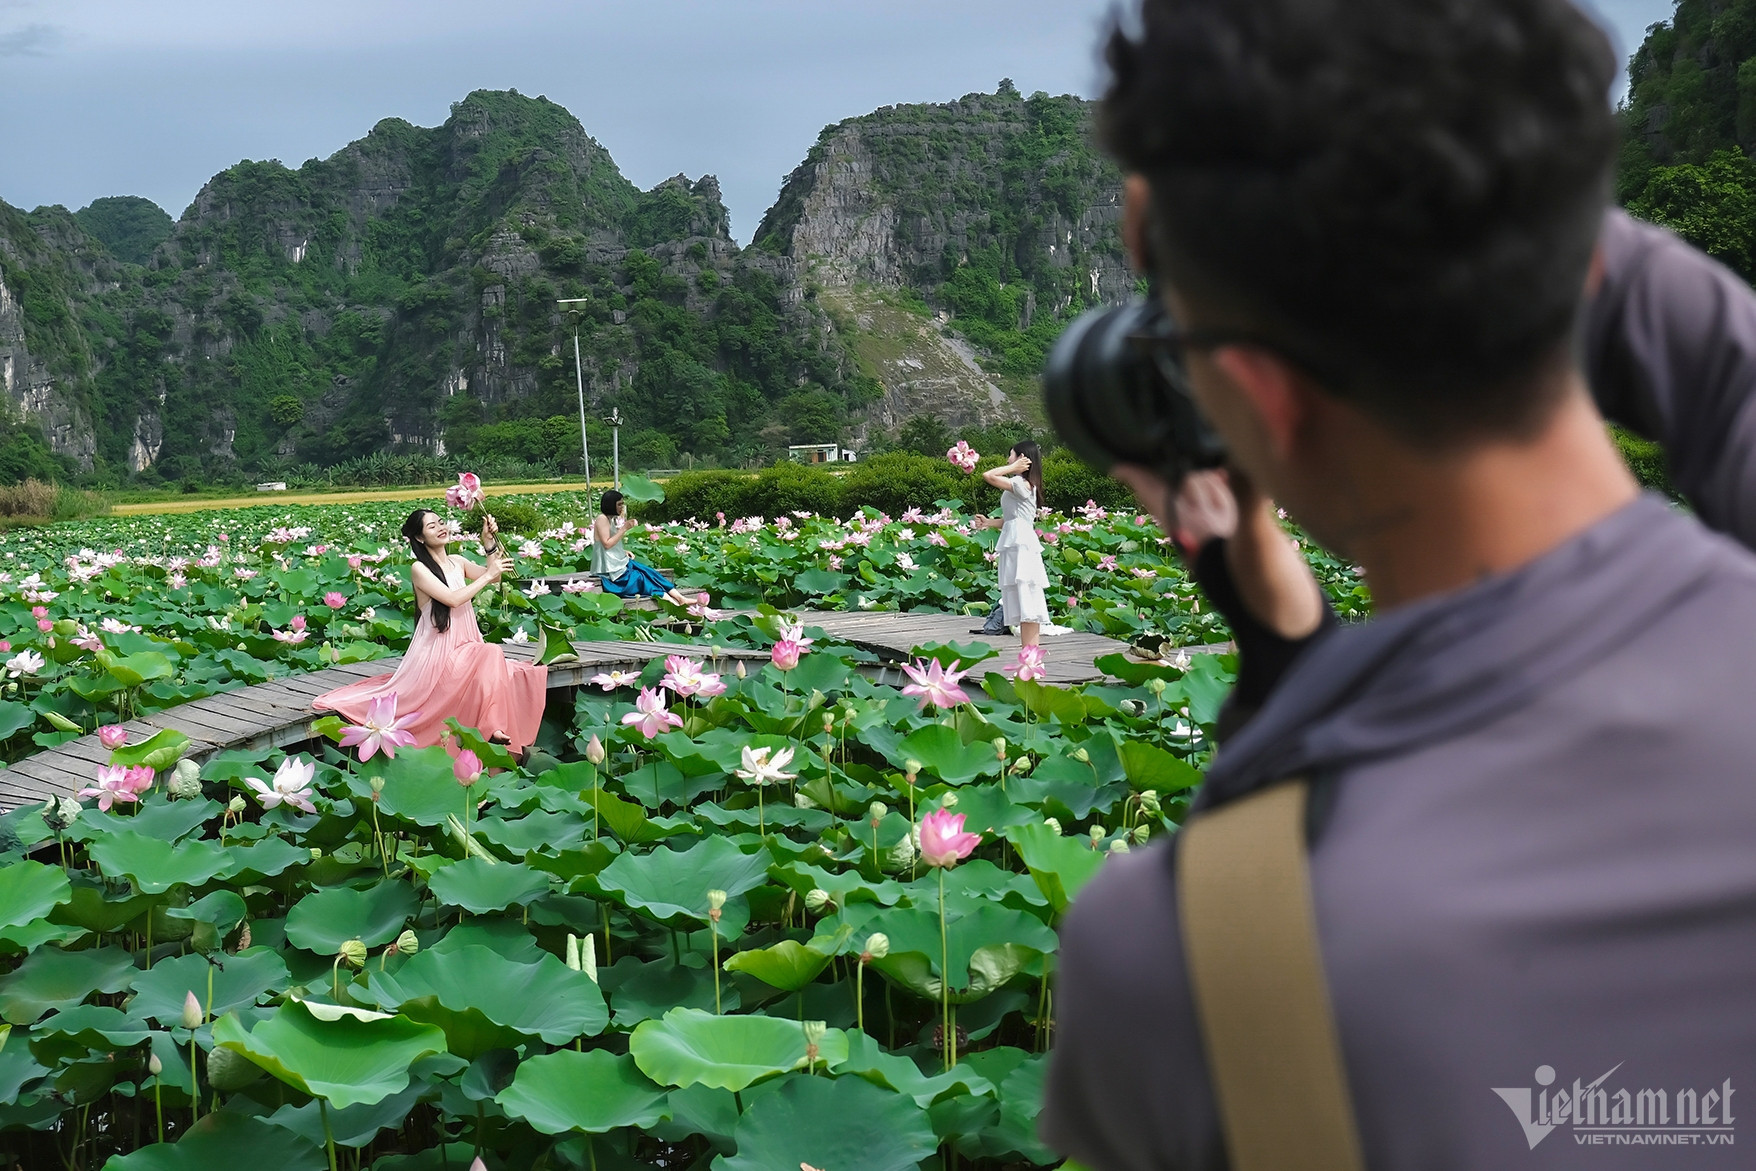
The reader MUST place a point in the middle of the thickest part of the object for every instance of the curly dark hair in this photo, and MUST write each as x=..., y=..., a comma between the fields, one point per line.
x=1402, y=196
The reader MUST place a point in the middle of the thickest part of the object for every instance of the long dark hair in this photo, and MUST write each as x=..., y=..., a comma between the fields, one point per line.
x=411, y=528
x=1029, y=450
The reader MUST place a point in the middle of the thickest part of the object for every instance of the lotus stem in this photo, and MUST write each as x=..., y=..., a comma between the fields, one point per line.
x=860, y=995
x=713, y=930
x=950, y=1045
x=328, y=1135
x=194, y=1085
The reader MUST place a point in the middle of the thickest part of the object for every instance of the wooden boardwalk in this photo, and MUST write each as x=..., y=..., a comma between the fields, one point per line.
x=277, y=714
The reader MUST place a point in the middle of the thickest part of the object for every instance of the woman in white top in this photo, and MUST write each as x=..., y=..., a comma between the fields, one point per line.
x=1022, y=576
x=620, y=573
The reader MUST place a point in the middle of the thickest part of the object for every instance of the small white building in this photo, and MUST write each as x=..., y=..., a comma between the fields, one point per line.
x=272, y=486
x=820, y=453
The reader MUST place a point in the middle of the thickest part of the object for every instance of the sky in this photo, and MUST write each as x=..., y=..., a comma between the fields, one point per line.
x=125, y=97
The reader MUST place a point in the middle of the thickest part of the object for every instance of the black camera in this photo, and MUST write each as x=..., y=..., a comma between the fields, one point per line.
x=1116, y=392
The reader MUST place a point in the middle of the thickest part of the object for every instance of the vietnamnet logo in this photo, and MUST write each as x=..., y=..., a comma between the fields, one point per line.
x=1600, y=1116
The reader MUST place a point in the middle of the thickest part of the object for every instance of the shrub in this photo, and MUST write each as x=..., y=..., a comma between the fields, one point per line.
x=700, y=495
x=1645, y=459
x=1068, y=483
x=898, y=481
x=36, y=502
x=789, y=487
x=510, y=516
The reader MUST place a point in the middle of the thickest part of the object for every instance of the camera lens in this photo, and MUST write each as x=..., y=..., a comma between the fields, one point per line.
x=1113, y=399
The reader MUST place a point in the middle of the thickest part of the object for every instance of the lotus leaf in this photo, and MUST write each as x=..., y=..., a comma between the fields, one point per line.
x=324, y=920
x=1061, y=866
x=670, y=884
x=156, y=817
x=222, y=909
x=591, y=1092
x=652, y=989
x=867, y=1059
x=164, y=747
x=843, y=1123
x=226, y=1139
x=14, y=716
x=238, y=980
x=156, y=865
x=485, y=1001
x=29, y=891
x=788, y=965
x=1150, y=767
x=264, y=859
x=352, y=1126
x=689, y=1047
x=972, y=927
x=93, y=907
x=52, y=978
x=350, y=1060
x=133, y=670
x=419, y=786
x=479, y=886
x=640, y=489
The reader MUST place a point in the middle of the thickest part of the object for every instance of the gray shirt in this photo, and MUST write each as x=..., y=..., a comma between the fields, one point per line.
x=1534, y=860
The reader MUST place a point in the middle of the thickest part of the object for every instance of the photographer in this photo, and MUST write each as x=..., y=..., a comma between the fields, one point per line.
x=1520, y=795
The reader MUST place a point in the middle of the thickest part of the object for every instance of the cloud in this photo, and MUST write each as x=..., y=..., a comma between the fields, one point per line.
x=33, y=40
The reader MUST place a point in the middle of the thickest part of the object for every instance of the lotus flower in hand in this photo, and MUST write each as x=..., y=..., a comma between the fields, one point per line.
x=466, y=493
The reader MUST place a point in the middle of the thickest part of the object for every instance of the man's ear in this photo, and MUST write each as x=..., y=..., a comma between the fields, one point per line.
x=1279, y=396
x=1136, y=208
x=1594, y=276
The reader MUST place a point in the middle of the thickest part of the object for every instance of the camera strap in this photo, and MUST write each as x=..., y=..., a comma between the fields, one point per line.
x=1250, y=939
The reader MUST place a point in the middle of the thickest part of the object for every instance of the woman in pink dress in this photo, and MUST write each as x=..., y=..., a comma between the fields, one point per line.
x=448, y=671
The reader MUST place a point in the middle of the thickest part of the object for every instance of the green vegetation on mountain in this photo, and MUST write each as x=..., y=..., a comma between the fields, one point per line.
x=129, y=226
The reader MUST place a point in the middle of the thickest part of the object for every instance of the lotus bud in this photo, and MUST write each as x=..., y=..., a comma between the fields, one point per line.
x=1149, y=802
x=1097, y=834
x=1133, y=708
x=573, y=960
x=949, y=801
x=877, y=812
x=1141, y=833
x=353, y=951
x=235, y=805
x=477, y=1165
x=191, y=1011
x=588, y=957
x=739, y=670
x=877, y=947
x=594, y=750
x=1081, y=755
x=185, y=780
x=1000, y=747
x=1054, y=824
x=154, y=1066
x=1022, y=765
x=1156, y=686
x=816, y=899
x=1119, y=846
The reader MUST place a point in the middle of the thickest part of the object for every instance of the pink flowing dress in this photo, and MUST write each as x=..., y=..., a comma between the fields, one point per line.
x=453, y=674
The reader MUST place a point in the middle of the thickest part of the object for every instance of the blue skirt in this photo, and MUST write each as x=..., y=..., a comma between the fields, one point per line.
x=637, y=581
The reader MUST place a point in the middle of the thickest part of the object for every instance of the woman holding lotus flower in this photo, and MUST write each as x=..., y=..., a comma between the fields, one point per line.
x=448, y=671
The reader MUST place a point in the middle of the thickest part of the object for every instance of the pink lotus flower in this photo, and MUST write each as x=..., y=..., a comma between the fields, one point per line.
x=5, y=646
x=112, y=736
x=299, y=622
x=651, y=717
x=118, y=785
x=353, y=560
x=682, y=675
x=1107, y=561
x=466, y=493
x=785, y=655
x=292, y=784
x=467, y=768
x=1029, y=665
x=935, y=685
x=612, y=680
x=334, y=600
x=382, y=729
x=39, y=612
x=44, y=625
x=711, y=685
x=293, y=637
x=963, y=456
x=943, y=842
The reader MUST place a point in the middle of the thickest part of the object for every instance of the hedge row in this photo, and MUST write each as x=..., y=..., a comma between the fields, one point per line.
x=890, y=483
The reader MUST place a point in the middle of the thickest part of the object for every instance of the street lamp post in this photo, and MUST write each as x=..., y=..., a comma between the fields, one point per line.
x=579, y=379
x=615, y=422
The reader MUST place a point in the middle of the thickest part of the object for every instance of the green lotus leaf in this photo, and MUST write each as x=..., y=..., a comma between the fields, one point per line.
x=1060, y=866
x=974, y=925
x=69, y=1034
x=164, y=747
x=354, y=1126
x=534, y=831
x=626, y=819
x=654, y=988
x=1021, y=1100
x=29, y=891
x=844, y=1123
x=156, y=865
x=238, y=980
x=1148, y=766
x=480, y=886
x=672, y=884
x=14, y=716
x=591, y=1092
x=940, y=750
x=419, y=786
x=640, y=489
x=866, y=1058
x=788, y=965
x=485, y=1001
x=324, y=920
x=226, y=1139
x=156, y=817
x=52, y=978
x=689, y=1047
x=93, y=906
x=987, y=970
x=264, y=859
x=222, y=909
x=133, y=670
x=348, y=1060
x=17, y=1067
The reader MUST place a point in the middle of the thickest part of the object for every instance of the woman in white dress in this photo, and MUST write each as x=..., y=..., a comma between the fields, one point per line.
x=1022, y=576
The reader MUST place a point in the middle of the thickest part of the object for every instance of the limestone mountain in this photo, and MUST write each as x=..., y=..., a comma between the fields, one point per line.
x=403, y=295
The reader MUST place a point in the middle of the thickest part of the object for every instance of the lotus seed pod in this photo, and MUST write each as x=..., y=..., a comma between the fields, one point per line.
x=191, y=1011
x=154, y=1066
x=185, y=779
x=228, y=1070
x=407, y=944
x=235, y=805
x=1156, y=686
x=716, y=899
x=353, y=951
x=814, y=1031
x=828, y=723
x=949, y=801
x=1081, y=755
x=816, y=899
x=594, y=750
x=316, y=854
x=1149, y=802
x=1022, y=765
x=1133, y=708
x=1000, y=747
x=573, y=960
x=1097, y=834
x=877, y=812
x=911, y=769
x=1119, y=846
x=377, y=784
x=878, y=946
x=1053, y=823
x=1141, y=833
x=739, y=670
